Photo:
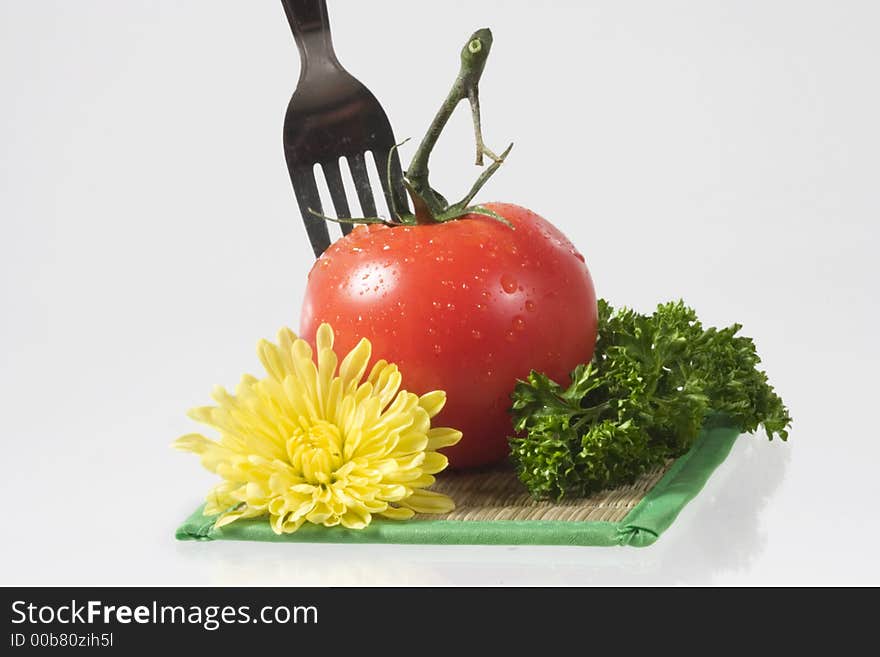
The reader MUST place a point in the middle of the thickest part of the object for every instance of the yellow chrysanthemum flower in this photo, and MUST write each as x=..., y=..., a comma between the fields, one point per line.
x=306, y=444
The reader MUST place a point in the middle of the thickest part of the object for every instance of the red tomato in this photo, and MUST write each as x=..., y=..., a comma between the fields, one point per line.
x=467, y=306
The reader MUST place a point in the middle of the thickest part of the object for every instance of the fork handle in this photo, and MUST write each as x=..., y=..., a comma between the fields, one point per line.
x=311, y=30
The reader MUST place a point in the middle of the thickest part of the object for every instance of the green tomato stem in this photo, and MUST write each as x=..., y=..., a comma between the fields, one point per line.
x=429, y=203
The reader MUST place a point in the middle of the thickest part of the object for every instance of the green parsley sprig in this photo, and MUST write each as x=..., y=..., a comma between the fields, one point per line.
x=652, y=383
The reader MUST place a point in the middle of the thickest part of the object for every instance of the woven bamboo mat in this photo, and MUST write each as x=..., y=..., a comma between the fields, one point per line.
x=498, y=495
x=493, y=508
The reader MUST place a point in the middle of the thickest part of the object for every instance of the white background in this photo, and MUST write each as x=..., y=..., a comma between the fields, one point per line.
x=722, y=152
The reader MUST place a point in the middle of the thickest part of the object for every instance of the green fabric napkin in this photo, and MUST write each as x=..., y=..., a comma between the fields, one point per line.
x=641, y=527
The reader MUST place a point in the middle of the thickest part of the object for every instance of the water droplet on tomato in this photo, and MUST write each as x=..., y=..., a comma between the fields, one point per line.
x=508, y=283
x=530, y=306
x=437, y=304
x=510, y=335
x=476, y=334
x=464, y=286
x=386, y=248
x=519, y=324
x=437, y=349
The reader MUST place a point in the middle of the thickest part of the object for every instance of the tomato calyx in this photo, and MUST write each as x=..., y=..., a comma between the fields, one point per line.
x=440, y=211
x=430, y=206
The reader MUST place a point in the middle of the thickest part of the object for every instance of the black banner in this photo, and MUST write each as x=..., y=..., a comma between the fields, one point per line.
x=254, y=622
x=224, y=619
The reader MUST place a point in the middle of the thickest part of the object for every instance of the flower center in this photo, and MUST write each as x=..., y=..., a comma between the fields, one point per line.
x=316, y=451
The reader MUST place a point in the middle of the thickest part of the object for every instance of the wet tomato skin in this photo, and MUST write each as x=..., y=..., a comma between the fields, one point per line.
x=467, y=306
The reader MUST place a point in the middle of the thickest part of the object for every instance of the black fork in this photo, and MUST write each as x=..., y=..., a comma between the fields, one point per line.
x=332, y=116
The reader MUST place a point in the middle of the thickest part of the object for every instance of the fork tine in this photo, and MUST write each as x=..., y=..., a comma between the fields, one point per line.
x=358, y=167
x=337, y=192
x=381, y=159
x=306, y=190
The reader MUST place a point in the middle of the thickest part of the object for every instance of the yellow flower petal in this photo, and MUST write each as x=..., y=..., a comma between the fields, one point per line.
x=315, y=441
x=326, y=370
x=397, y=514
x=212, y=453
x=442, y=437
x=378, y=369
x=324, y=337
x=412, y=441
x=286, y=338
x=423, y=481
x=386, y=380
x=427, y=501
x=271, y=358
x=355, y=364
x=433, y=402
x=355, y=518
x=221, y=498
x=434, y=462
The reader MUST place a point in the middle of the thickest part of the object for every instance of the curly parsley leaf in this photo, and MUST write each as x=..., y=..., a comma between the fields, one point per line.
x=643, y=398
